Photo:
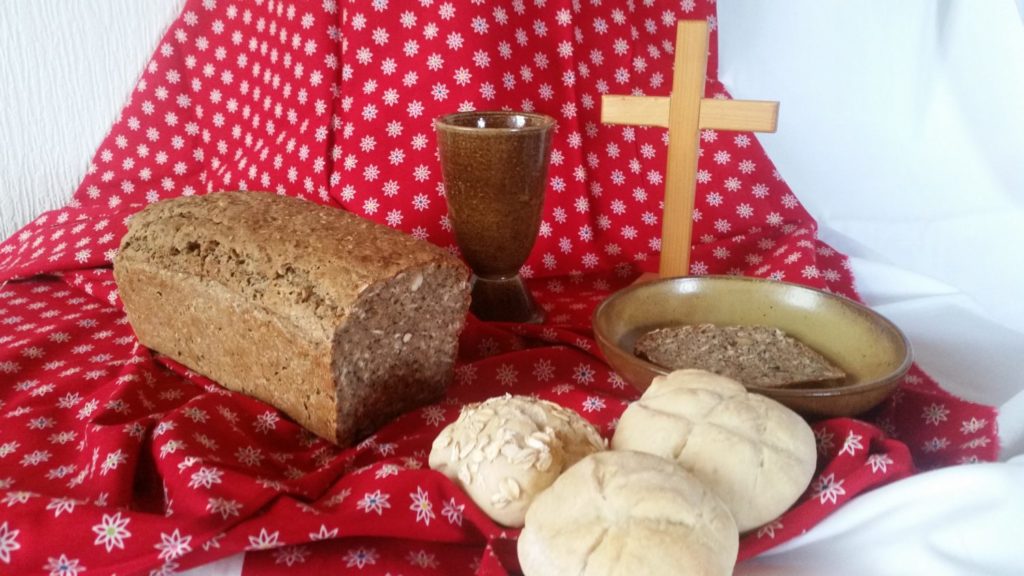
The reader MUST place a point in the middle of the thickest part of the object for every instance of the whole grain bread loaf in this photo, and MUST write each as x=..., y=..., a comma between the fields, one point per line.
x=755, y=355
x=339, y=322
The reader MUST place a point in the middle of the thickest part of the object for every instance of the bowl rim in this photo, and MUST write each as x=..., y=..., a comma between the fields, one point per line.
x=891, y=378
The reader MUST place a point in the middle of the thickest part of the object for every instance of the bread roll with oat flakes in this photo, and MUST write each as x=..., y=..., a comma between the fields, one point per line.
x=506, y=450
x=339, y=322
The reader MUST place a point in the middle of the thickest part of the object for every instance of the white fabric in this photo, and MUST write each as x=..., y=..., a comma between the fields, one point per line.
x=902, y=131
x=953, y=521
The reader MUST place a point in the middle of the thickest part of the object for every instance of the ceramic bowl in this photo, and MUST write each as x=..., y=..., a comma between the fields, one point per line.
x=873, y=352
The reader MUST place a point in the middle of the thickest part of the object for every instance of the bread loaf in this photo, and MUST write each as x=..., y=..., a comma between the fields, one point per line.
x=339, y=322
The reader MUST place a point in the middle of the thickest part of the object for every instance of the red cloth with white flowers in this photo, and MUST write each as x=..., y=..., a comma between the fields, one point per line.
x=114, y=459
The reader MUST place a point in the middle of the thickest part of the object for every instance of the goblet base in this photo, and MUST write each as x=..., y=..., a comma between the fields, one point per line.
x=504, y=300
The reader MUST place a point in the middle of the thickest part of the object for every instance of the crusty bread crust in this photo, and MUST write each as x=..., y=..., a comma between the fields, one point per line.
x=267, y=295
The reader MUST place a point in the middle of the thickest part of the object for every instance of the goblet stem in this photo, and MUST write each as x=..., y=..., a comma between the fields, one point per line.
x=504, y=300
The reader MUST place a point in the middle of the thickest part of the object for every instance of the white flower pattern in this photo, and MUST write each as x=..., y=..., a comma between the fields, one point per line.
x=422, y=506
x=112, y=531
x=8, y=542
x=828, y=489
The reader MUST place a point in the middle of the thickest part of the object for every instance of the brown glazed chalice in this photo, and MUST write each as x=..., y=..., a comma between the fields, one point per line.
x=495, y=168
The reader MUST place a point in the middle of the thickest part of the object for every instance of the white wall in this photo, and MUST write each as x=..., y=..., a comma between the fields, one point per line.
x=901, y=128
x=66, y=68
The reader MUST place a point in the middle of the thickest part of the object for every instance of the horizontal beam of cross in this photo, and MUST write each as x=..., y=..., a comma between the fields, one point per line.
x=739, y=115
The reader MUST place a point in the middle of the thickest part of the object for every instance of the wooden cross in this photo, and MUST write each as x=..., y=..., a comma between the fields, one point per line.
x=685, y=113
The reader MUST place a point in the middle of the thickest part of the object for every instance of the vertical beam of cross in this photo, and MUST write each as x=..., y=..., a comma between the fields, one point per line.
x=685, y=113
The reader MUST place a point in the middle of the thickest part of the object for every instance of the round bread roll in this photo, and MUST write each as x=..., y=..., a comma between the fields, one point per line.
x=506, y=450
x=628, y=513
x=755, y=453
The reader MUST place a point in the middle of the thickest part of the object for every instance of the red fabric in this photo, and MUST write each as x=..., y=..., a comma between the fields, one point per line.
x=113, y=459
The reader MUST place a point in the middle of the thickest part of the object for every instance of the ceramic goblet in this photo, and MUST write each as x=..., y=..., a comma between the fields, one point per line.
x=495, y=168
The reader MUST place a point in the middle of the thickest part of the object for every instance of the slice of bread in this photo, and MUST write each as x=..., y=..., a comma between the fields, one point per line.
x=761, y=356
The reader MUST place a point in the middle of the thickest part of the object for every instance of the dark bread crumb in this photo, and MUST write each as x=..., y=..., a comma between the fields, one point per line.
x=761, y=356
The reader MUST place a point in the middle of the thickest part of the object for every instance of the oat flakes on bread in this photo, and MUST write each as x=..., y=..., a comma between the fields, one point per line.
x=339, y=322
x=504, y=451
x=761, y=356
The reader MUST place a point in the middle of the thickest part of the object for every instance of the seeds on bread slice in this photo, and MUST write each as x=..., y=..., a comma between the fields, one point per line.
x=761, y=356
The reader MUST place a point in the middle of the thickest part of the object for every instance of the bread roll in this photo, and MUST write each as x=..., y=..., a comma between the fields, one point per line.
x=506, y=450
x=628, y=513
x=339, y=322
x=755, y=453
